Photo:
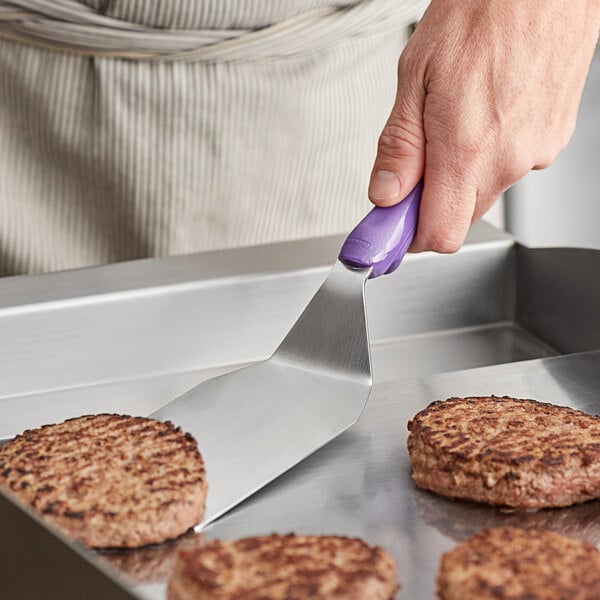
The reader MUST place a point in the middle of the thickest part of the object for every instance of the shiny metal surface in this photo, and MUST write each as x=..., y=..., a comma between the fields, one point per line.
x=360, y=484
x=256, y=423
x=38, y=563
x=393, y=359
x=129, y=337
x=553, y=298
x=213, y=312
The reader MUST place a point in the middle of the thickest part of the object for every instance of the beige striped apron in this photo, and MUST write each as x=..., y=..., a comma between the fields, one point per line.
x=136, y=128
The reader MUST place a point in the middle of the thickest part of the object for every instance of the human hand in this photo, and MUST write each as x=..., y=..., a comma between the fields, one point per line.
x=487, y=91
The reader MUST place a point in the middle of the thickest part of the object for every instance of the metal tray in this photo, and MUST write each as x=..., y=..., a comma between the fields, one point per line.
x=494, y=318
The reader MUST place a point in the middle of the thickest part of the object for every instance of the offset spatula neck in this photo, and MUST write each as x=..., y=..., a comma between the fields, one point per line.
x=330, y=336
x=255, y=423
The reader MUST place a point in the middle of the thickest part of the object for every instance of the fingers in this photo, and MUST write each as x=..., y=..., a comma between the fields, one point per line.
x=485, y=94
x=460, y=178
x=447, y=207
x=404, y=156
x=400, y=156
x=482, y=205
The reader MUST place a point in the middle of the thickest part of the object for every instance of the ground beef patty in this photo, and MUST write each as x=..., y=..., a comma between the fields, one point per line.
x=517, y=564
x=518, y=453
x=109, y=480
x=291, y=567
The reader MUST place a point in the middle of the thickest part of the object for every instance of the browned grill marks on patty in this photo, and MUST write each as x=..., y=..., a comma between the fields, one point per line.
x=506, y=451
x=280, y=567
x=507, y=563
x=109, y=480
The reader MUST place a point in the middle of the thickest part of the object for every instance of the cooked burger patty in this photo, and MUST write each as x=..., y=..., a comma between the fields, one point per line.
x=518, y=453
x=109, y=480
x=291, y=567
x=517, y=564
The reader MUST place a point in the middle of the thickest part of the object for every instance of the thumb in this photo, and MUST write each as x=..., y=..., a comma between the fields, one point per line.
x=400, y=160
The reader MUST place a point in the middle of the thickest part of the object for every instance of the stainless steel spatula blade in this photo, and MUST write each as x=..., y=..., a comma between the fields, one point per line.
x=254, y=424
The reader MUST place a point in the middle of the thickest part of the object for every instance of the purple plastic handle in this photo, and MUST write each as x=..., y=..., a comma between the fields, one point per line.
x=382, y=238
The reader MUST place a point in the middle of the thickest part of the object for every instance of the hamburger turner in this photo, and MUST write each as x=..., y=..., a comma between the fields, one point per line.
x=255, y=423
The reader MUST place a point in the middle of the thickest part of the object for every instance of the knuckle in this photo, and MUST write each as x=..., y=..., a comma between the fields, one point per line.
x=559, y=129
x=543, y=162
x=400, y=137
x=567, y=133
x=516, y=160
x=549, y=152
x=471, y=150
x=512, y=172
x=463, y=146
x=444, y=243
x=409, y=63
x=528, y=160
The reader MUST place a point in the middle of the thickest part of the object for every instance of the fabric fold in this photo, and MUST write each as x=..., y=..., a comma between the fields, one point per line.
x=69, y=26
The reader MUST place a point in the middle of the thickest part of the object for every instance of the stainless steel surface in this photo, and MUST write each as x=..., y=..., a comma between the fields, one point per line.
x=360, y=484
x=555, y=301
x=38, y=563
x=256, y=423
x=153, y=318
x=393, y=359
x=128, y=338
